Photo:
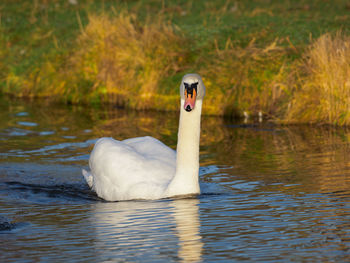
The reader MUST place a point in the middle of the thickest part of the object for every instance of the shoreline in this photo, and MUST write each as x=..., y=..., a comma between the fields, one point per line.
x=127, y=58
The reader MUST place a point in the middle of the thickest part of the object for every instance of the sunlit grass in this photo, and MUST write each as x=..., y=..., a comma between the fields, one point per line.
x=126, y=59
x=254, y=56
x=323, y=82
x=246, y=79
x=117, y=60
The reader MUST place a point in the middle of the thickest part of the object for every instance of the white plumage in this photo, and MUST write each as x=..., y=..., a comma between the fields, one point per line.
x=144, y=167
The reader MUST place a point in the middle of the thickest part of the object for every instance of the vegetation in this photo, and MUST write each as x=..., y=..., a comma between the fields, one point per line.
x=323, y=82
x=289, y=60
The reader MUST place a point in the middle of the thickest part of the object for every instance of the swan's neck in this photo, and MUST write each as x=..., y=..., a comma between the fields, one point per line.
x=185, y=180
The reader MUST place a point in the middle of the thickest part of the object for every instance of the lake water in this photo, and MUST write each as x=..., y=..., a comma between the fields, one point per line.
x=269, y=193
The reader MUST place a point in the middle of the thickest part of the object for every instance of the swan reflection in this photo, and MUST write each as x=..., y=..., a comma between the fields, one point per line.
x=136, y=230
x=186, y=216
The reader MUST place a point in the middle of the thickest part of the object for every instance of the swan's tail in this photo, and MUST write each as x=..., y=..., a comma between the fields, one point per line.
x=88, y=178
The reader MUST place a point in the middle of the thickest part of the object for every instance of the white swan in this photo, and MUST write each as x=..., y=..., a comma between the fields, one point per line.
x=145, y=168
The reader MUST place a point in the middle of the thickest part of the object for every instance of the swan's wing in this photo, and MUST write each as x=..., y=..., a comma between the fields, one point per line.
x=152, y=148
x=127, y=170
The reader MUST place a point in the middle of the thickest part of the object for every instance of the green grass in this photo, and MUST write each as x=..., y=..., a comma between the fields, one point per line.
x=248, y=52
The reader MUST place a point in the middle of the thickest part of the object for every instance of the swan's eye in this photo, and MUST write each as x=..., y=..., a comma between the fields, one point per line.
x=194, y=86
x=189, y=88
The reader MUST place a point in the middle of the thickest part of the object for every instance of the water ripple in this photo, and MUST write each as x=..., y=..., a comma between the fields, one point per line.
x=268, y=194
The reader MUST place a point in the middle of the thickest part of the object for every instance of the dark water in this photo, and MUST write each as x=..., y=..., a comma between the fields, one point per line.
x=269, y=193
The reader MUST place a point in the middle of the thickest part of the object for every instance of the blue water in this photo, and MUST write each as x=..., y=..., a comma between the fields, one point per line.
x=269, y=193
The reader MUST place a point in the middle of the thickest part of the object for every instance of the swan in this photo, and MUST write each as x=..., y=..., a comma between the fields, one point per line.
x=144, y=167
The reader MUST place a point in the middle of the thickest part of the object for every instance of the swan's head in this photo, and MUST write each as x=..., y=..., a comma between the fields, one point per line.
x=191, y=89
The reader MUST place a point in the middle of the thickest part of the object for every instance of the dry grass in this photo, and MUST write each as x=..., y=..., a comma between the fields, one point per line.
x=122, y=61
x=246, y=79
x=323, y=83
x=117, y=60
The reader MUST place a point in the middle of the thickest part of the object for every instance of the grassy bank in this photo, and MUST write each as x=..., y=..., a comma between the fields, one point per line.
x=287, y=59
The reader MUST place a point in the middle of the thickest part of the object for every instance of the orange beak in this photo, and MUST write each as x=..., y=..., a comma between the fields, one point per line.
x=190, y=100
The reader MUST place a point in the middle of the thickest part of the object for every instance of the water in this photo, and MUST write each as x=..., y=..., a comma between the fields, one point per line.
x=268, y=193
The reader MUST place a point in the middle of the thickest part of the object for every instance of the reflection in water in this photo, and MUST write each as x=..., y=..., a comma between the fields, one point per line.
x=269, y=193
x=187, y=228
x=304, y=158
x=134, y=229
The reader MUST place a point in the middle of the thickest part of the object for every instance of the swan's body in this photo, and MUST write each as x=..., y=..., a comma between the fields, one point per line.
x=145, y=168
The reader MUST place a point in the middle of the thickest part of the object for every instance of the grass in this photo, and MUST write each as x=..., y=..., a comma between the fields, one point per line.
x=117, y=60
x=323, y=82
x=246, y=79
x=281, y=58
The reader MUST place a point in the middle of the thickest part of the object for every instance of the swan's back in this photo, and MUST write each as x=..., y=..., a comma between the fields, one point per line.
x=138, y=168
x=152, y=148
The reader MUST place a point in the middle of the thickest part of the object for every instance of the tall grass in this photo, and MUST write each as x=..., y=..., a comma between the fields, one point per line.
x=132, y=59
x=246, y=78
x=322, y=78
x=117, y=60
